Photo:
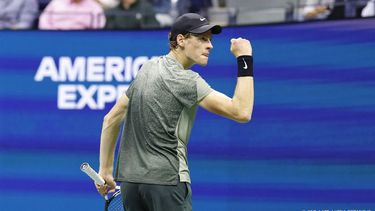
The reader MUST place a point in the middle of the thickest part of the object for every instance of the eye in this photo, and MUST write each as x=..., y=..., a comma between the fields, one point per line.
x=205, y=39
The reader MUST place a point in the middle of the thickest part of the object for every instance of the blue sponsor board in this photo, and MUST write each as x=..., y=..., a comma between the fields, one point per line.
x=310, y=144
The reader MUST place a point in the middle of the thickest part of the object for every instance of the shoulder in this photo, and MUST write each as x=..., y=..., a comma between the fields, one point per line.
x=148, y=66
x=151, y=63
x=190, y=75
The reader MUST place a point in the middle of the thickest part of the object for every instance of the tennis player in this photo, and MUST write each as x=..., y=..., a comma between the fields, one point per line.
x=159, y=110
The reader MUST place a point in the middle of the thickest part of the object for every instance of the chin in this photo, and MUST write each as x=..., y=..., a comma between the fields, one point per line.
x=203, y=62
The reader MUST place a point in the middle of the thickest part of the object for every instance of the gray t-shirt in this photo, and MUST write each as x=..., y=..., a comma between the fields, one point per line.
x=163, y=101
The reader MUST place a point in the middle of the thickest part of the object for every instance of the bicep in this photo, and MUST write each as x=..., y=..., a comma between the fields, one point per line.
x=218, y=103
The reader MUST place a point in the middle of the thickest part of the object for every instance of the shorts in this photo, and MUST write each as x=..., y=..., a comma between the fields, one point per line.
x=151, y=197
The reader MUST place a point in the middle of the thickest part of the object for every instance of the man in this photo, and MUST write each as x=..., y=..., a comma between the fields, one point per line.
x=131, y=14
x=159, y=109
x=72, y=15
x=331, y=9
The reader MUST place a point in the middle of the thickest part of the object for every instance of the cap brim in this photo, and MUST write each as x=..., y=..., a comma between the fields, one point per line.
x=215, y=29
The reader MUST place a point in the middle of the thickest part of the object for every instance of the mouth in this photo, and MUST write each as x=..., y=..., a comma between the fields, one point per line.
x=206, y=54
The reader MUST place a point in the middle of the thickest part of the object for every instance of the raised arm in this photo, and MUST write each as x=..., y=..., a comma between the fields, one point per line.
x=240, y=106
x=109, y=135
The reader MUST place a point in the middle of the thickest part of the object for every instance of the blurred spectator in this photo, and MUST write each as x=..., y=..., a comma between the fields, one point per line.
x=109, y=4
x=331, y=9
x=316, y=9
x=194, y=6
x=165, y=15
x=72, y=15
x=131, y=14
x=18, y=14
x=342, y=9
x=369, y=9
x=161, y=6
x=346, y=9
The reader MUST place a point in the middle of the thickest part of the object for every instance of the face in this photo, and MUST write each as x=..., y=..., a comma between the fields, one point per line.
x=197, y=48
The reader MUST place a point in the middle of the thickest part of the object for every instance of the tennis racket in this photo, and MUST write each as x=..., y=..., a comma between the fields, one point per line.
x=112, y=202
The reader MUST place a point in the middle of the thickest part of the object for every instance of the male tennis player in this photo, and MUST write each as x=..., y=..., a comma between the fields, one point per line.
x=159, y=110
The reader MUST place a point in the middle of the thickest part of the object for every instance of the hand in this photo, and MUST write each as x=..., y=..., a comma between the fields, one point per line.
x=241, y=47
x=317, y=11
x=109, y=186
x=311, y=15
x=321, y=9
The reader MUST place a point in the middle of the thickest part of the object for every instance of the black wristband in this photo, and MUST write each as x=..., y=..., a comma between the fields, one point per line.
x=245, y=66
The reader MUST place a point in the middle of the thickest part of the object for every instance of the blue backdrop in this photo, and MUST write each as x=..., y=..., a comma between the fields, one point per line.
x=310, y=144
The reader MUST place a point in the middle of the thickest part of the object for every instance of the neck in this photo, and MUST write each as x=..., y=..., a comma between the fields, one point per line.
x=181, y=58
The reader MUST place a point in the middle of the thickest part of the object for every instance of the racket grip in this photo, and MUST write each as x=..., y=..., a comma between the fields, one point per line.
x=85, y=167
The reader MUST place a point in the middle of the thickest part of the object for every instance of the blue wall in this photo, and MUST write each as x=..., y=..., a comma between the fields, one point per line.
x=310, y=144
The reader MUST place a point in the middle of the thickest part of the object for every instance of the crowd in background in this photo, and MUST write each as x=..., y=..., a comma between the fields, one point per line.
x=137, y=14
x=337, y=9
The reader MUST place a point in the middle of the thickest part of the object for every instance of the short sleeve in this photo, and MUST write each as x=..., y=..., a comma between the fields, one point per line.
x=129, y=91
x=189, y=90
x=203, y=88
x=183, y=89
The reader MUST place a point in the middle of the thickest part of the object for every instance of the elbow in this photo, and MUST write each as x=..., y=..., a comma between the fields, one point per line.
x=106, y=119
x=109, y=120
x=243, y=117
x=113, y=119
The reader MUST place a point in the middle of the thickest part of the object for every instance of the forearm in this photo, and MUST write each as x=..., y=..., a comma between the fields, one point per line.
x=243, y=99
x=240, y=106
x=110, y=133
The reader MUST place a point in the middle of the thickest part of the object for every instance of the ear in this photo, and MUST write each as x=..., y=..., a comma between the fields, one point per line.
x=180, y=40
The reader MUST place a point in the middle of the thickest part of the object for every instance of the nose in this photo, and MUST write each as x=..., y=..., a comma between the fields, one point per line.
x=210, y=46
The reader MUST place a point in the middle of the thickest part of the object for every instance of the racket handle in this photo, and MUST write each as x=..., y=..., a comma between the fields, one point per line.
x=85, y=167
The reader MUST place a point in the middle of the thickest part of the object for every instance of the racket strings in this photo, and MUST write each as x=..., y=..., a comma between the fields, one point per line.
x=115, y=203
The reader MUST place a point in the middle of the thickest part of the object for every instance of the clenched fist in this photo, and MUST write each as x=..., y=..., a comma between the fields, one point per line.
x=241, y=47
